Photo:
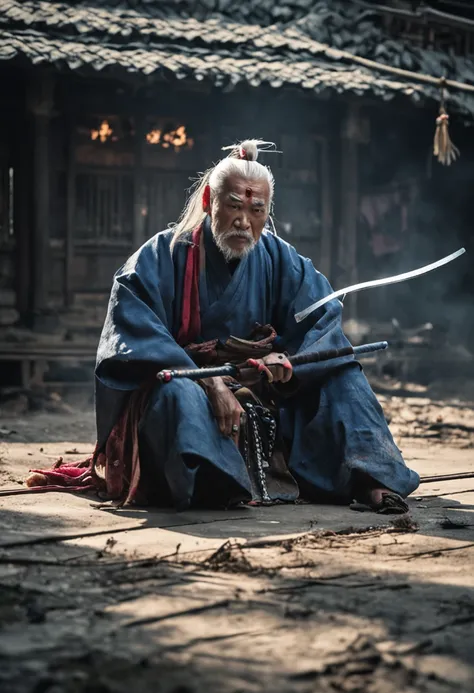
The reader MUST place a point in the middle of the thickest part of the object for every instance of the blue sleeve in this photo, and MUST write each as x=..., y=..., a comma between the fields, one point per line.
x=137, y=338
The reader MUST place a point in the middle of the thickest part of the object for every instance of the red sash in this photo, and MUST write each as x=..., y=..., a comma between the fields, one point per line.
x=190, y=313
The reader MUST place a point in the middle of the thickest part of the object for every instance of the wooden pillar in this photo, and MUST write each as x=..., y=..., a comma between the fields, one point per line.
x=140, y=191
x=22, y=200
x=70, y=211
x=325, y=261
x=349, y=200
x=41, y=104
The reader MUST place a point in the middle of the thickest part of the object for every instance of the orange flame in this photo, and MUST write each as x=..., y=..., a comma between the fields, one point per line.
x=104, y=132
x=174, y=138
x=154, y=136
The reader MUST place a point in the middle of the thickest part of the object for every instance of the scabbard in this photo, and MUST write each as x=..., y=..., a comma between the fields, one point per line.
x=446, y=477
x=236, y=371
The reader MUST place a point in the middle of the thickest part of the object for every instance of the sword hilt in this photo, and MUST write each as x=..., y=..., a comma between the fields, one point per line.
x=166, y=375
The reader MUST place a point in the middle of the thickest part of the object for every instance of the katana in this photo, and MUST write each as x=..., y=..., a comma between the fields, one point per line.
x=244, y=372
x=378, y=282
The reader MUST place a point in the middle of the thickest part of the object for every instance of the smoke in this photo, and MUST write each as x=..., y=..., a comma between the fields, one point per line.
x=430, y=216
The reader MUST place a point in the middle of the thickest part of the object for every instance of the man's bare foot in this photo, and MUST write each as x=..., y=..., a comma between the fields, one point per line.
x=386, y=502
x=379, y=498
x=376, y=495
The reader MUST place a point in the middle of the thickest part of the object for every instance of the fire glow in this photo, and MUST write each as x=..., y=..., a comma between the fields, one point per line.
x=177, y=138
x=103, y=133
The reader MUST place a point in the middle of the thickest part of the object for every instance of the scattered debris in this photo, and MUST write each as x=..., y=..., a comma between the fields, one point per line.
x=233, y=556
x=404, y=523
x=230, y=558
x=449, y=523
x=438, y=421
x=107, y=550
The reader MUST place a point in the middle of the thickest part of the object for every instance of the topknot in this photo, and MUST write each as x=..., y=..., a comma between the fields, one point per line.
x=248, y=150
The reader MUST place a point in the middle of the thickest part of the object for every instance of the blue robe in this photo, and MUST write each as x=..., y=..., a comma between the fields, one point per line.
x=334, y=426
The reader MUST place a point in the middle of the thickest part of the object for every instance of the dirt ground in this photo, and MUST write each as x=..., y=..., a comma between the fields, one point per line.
x=293, y=598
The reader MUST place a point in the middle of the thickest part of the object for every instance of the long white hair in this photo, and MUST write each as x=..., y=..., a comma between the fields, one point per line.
x=241, y=161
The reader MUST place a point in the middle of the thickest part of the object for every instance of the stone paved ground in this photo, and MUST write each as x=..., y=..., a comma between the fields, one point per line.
x=290, y=598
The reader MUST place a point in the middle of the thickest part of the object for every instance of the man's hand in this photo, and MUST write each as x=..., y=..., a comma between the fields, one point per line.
x=225, y=406
x=276, y=367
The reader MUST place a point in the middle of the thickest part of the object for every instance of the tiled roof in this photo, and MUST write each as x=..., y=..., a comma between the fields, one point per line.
x=278, y=42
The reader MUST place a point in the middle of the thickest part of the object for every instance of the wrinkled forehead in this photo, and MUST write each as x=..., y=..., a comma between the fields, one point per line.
x=245, y=188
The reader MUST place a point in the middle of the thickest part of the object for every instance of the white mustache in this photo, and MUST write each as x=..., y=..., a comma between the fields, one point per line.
x=240, y=233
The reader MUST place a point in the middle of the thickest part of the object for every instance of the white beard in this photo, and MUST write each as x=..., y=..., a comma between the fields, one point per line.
x=229, y=253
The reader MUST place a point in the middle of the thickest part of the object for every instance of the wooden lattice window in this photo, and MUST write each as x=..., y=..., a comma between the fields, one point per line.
x=104, y=207
x=166, y=196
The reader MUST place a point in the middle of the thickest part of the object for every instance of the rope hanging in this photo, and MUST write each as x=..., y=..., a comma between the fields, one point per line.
x=443, y=148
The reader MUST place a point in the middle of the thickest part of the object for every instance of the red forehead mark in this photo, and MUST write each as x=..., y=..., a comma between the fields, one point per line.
x=248, y=192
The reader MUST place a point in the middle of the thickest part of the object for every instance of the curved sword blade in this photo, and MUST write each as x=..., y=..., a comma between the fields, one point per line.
x=379, y=282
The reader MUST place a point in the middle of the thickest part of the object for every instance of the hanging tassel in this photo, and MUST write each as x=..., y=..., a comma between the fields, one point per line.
x=443, y=149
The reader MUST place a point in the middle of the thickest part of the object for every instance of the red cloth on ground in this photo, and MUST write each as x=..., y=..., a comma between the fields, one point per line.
x=115, y=471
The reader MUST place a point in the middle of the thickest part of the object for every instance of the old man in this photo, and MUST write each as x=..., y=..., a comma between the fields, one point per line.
x=221, y=286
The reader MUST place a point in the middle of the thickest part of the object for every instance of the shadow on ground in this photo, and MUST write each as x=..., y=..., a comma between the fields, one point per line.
x=358, y=611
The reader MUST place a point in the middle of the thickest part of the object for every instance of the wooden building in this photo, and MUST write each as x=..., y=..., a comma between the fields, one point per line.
x=109, y=108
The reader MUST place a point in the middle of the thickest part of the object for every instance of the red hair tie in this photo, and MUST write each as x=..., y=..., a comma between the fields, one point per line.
x=243, y=153
x=206, y=198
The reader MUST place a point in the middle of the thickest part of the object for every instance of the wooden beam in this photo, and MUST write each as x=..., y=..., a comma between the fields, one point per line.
x=421, y=15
